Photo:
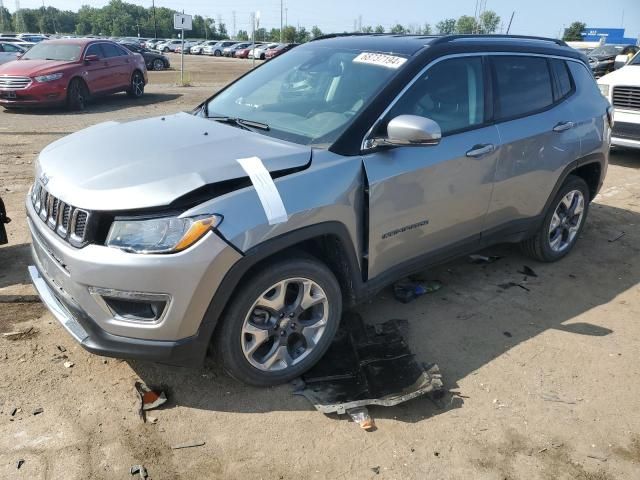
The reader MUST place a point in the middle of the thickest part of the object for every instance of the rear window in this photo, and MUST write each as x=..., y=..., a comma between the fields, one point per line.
x=523, y=85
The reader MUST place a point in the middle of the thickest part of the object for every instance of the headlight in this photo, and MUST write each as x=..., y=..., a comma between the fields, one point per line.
x=48, y=78
x=604, y=89
x=159, y=235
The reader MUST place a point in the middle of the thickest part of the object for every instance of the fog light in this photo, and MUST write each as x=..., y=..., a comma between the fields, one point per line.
x=132, y=306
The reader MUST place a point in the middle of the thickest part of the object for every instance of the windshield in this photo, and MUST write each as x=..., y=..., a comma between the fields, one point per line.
x=54, y=51
x=308, y=96
x=606, y=50
x=635, y=60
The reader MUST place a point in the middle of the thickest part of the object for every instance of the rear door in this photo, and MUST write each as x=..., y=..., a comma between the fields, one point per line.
x=430, y=199
x=535, y=116
x=119, y=66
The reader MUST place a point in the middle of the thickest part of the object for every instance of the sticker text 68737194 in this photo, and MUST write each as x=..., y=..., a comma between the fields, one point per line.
x=380, y=59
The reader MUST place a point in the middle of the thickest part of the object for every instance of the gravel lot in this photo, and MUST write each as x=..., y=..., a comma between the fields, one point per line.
x=544, y=383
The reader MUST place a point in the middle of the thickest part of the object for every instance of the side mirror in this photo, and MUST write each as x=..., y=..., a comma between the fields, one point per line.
x=620, y=61
x=91, y=58
x=409, y=131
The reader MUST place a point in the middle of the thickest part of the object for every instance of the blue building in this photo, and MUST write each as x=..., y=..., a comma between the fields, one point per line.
x=610, y=35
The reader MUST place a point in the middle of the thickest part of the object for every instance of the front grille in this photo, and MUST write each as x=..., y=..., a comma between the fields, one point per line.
x=626, y=97
x=14, y=83
x=626, y=130
x=67, y=221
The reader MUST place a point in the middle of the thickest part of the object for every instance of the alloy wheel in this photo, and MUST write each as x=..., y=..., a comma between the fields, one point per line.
x=158, y=64
x=284, y=324
x=566, y=221
x=137, y=85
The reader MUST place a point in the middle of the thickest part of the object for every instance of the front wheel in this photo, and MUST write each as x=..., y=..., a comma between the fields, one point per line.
x=136, y=88
x=217, y=53
x=77, y=95
x=281, y=322
x=562, y=223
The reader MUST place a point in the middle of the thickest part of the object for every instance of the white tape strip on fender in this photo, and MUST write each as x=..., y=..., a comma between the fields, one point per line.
x=266, y=189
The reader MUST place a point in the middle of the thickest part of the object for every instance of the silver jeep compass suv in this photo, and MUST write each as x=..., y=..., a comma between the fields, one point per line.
x=307, y=185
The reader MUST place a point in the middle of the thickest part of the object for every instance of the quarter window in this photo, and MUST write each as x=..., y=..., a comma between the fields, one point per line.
x=523, y=85
x=563, y=80
x=451, y=93
x=111, y=50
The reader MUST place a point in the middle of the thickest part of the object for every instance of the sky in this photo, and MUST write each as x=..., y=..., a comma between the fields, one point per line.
x=532, y=17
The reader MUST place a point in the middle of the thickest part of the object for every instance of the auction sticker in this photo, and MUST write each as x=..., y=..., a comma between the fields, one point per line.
x=380, y=59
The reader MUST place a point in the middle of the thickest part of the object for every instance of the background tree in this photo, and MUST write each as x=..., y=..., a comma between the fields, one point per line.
x=574, y=32
x=379, y=29
x=242, y=35
x=302, y=35
x=466, y=24
x=398, y=29
x=316, y=32
x=367, y=29
x=289, y=34
x=426, y=30
x=489, y=21
x=446, y=26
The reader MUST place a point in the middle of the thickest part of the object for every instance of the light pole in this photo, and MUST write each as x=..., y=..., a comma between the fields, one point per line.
x=155, y=24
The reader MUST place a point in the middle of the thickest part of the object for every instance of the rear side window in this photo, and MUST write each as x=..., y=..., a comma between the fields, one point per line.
x=563, y=80
x=95, y=50
x=523, y=85
x=111, y=50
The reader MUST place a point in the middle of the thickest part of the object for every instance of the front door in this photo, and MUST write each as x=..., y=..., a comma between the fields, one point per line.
x=430, y=199
x=96, y=71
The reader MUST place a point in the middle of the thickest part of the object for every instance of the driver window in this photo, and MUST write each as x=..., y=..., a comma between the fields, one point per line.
x=451, y=93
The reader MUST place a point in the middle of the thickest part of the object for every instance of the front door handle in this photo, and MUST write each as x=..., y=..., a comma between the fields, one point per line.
x=480, y=150
x=563, y=126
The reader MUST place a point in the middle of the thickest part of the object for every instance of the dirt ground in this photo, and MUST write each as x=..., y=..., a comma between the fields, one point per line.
x=544, y=382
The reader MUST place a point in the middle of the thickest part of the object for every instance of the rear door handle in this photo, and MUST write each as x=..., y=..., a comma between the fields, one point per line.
x=562, y=126
x=480, y=150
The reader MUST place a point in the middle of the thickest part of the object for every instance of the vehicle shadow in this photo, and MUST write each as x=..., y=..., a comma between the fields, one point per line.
x=463, y=327
x=107, y=103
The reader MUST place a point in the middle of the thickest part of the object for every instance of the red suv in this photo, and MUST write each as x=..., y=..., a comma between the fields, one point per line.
x=70, y=72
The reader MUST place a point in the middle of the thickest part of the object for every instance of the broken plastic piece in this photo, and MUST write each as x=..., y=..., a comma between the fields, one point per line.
x=367, y=365
x=38, y=411
x=483, y=259
x=194, y=443
x=140, y=470
x=616, y=237
x=150, y=399
x=361, y=416
x=19, y=463
x=407, y=290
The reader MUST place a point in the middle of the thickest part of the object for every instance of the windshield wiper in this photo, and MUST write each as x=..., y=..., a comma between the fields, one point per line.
x=246, y=124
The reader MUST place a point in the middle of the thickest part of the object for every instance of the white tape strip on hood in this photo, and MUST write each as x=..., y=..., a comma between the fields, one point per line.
x=266, y=189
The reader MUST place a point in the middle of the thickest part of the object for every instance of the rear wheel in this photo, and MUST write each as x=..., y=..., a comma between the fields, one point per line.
x=562, y=223
x=158, y=64
x=77, y=95
x=281, y=323
x=136, y=89
x=217, y=53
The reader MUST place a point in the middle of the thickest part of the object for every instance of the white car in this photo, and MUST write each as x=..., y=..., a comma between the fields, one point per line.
x=169, y=45
x=197, y=49
x=10, y=51
x=622, y=89
x=260, y=51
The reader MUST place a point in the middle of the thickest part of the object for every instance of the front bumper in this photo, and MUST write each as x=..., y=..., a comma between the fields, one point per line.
x=626, y=129
x=36, y=94
x=64, y=275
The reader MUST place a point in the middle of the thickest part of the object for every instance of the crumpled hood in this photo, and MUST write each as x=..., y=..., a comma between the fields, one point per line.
x=152, y=162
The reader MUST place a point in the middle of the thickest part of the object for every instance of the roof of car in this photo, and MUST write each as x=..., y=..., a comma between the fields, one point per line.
x=411, y=44
x=78, y=41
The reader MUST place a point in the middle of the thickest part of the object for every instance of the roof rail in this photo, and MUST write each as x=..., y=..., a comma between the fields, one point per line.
x=449, y=38
x=372, y=34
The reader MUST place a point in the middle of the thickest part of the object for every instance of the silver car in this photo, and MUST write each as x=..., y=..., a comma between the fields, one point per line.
x=10, y=51
x=306, y=186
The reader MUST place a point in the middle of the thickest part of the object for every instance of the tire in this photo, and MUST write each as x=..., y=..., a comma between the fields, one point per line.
x=275, y=337
x=136, y=88
x=263, y=56
x=568, y=212
x=158, y=64
x=77, y=95
x=217, y=53
x=165, y=49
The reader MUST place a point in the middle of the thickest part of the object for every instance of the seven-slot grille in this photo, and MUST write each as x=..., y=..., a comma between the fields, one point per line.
x=626, y=97
x=67, y=221
x=14, y=83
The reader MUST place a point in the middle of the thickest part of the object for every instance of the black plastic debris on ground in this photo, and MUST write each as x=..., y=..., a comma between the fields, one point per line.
x=367, y=365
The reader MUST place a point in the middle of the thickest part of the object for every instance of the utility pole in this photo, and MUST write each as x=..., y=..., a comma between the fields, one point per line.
x=18, y=17
x=360, y=23
x=233, y=21
x=155, y=23
x=286, y=16
x=281, y=25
